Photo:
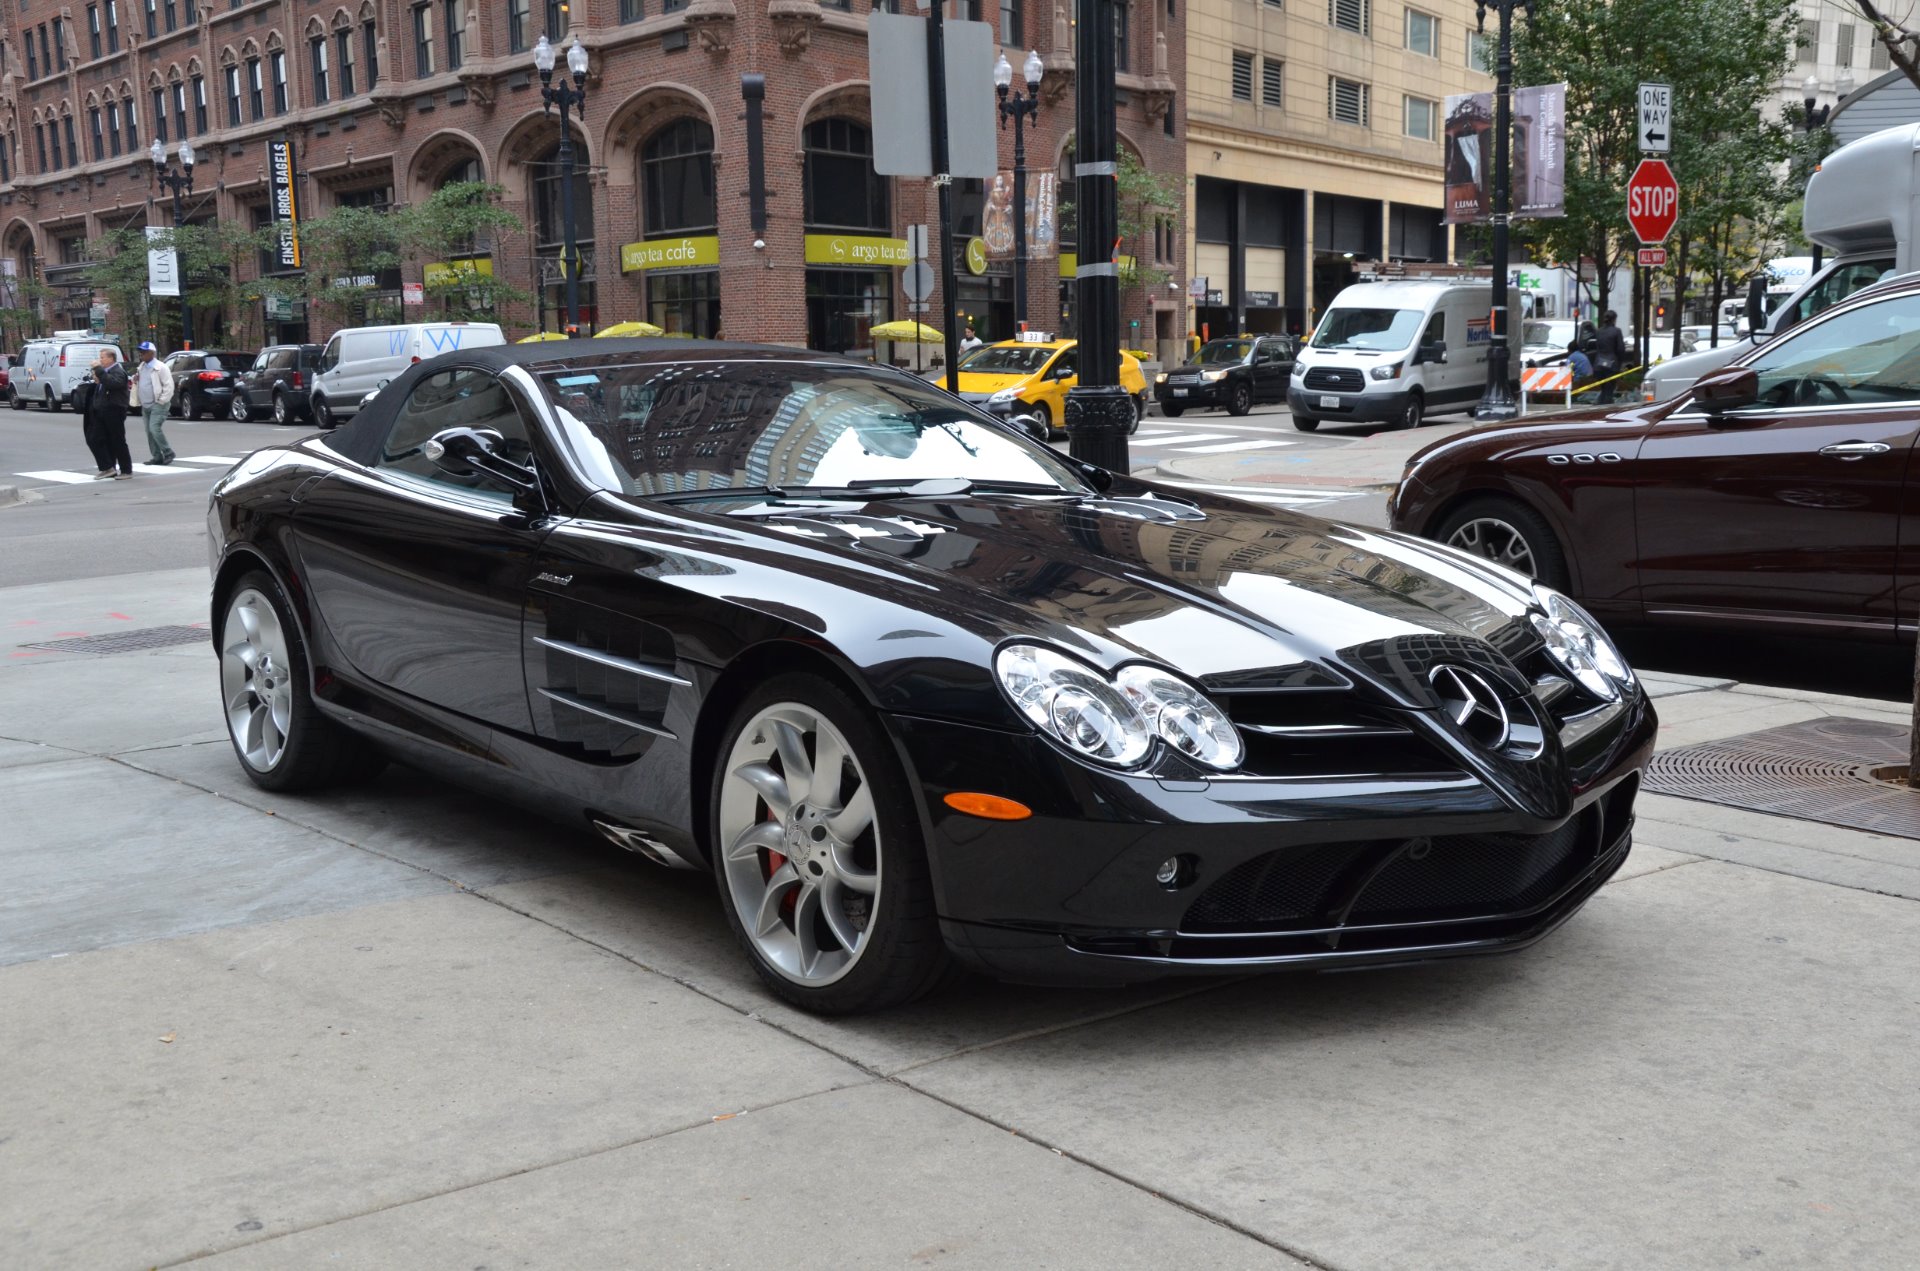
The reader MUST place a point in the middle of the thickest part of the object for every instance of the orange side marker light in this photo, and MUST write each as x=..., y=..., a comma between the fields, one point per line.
x=990, y=806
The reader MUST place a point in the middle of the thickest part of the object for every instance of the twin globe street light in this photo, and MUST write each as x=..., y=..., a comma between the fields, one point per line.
x=1017, y=107
x=566, y=96
x=181, y=184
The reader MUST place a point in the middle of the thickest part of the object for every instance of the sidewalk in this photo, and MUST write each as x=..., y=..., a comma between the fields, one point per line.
x=408, y=1026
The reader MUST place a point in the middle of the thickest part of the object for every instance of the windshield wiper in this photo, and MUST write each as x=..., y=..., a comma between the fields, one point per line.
x=718, y=493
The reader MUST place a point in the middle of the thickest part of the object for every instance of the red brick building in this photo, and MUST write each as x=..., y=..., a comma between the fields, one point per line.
x=384, y=100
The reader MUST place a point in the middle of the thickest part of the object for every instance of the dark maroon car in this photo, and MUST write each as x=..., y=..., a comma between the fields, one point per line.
x=1777, y=494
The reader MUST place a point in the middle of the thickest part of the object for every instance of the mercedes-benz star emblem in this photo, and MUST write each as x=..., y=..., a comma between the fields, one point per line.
x=1472, y=704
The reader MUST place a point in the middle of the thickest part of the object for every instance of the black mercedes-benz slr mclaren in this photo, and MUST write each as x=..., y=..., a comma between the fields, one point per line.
x=917, y=690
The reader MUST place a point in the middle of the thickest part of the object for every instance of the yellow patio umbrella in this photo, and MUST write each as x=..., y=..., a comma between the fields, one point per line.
x=906, y=332
x=628, y=328
x=543, y=335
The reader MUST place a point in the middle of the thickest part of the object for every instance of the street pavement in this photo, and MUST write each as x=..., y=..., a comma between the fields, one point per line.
x=405, y=1025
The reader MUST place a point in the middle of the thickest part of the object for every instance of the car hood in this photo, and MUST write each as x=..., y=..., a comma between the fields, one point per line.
x=1232, y=595
x=978, y=382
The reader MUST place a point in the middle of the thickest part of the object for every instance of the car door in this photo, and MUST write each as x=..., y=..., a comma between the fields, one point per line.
x=419, y=577
x=1060, y=376
x=250, y=386
x=1269, y=371
x=1788, y=510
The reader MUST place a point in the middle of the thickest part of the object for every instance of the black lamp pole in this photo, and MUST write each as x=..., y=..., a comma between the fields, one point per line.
x=1017, y=107
x=566, y=96
x=181, y=185
x=1099, y=411
x=1813, y=118
x=1496, y=400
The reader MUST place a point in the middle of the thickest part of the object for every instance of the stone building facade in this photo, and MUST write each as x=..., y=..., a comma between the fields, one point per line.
x=385, y=100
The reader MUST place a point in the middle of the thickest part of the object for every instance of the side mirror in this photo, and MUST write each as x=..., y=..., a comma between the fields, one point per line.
x=1435, y=352
x=1729, y=388
x=1030, y=425
x=1756, y=302
x=466, y=452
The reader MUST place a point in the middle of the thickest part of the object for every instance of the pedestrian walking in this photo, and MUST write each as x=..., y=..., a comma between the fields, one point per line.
x=971, y=342
x=153, y=391
x=1610, y=353
x=105, y=426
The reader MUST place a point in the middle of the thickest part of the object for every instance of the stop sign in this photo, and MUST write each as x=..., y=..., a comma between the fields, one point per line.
x=1653, y=201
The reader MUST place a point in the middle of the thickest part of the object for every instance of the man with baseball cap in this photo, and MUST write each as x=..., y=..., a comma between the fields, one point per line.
x=153, y=390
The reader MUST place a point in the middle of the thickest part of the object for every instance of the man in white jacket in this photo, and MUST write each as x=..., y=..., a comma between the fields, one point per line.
x=152, y=392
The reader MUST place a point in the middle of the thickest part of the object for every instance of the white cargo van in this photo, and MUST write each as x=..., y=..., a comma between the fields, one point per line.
x=1397, y=352
x=360, y=359
x=1861, y=203
x=50, y=369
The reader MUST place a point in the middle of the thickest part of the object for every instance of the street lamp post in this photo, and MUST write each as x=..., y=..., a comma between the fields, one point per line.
x=1496, y=400
x=181, y=184
x=1099, y=411
x=1017, y=107
x=566, y=97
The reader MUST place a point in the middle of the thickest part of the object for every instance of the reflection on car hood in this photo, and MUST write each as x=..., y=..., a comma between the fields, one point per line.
x=1224, y=592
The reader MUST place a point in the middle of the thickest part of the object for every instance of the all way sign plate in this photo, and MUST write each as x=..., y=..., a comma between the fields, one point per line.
x=1656, y=118
x=1653, y=257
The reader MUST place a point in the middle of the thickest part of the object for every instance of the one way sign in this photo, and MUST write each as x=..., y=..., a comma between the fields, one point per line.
x=1656, y=118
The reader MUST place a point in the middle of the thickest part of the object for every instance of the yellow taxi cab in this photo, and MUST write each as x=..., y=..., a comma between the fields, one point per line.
x=1030, y=375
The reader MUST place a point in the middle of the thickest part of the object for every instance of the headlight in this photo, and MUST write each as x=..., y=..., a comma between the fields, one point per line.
x=1213, y=377
x=1298, y=370
x=1071, y=701
x=1182, y=716
x=1576, y=642
x=1386, y=372
x=1005, y=395
x=1161, y=378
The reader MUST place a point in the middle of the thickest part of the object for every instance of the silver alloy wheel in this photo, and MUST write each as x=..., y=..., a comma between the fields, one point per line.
x=238, y=412
x=1497, y=541
x=280, y=415
x=256, y=680
x=800, y=850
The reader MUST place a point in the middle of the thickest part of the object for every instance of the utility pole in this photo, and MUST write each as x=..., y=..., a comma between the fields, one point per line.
x=1099, y=411
x=1496, y=400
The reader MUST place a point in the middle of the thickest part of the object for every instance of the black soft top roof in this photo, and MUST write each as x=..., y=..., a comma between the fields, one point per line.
x=360, y=439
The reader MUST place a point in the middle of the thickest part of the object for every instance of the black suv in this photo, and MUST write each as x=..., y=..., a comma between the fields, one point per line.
x=279, y=383
x=1233, y=373
x=202, y=381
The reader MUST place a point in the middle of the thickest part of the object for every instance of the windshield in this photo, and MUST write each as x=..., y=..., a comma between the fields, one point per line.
x=664, y=429
x=1007, y=359
x=1367, y=328
x=1558, y=334
x=1223, y=352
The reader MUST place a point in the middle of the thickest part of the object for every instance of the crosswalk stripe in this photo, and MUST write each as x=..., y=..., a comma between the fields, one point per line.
x=210, y=459
x=1181, y=438
x=159, y=470
x=64, y=478
x=1275, y=491
x=1229, y=447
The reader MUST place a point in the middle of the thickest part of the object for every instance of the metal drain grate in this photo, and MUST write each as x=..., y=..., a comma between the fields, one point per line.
x=1820, y=770
x=125, y=641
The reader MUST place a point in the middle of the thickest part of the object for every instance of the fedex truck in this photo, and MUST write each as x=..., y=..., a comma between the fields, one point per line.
x=1861, y=205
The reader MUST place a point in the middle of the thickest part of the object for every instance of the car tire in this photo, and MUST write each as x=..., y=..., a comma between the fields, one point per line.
x=1508, y=533
x=13, y=398
x=177, y=408
x=1042, y=412
x=238, y=411
x=1415, y=413
x=1306, y=423
x=1241, y=400
x=1139, y=413
x=282, y=414
x=196, y=406
x=323, y=415
x=280, y=737
x=1172, y=412
x=832, y=902
x=52, y=402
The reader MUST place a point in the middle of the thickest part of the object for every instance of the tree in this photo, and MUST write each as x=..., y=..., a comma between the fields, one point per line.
x=451, y=233
x=1722, y=58
x=1897, y=36
x=1141, y=198
x=343, y=255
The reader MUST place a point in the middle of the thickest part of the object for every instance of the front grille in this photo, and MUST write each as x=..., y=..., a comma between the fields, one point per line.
x=1397, y=880
x=1342, y=379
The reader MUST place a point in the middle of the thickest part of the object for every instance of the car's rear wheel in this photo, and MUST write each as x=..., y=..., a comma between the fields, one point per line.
x=196, y=405
x=1507, y=533
x=282, y=740
x=177, y=408
x=1242, y=399
x=1139, y=413
x=50, y=403
x=818, y=854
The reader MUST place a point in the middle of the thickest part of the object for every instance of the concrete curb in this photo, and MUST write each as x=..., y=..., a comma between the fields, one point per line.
x=12, y=494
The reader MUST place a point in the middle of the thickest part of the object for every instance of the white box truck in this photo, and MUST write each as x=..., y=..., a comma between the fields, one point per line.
x=1861, y=205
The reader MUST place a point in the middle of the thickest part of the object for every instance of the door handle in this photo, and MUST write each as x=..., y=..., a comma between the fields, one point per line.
x=1855, y=449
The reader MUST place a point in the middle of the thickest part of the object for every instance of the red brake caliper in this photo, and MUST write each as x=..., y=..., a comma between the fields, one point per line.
x=774, y=861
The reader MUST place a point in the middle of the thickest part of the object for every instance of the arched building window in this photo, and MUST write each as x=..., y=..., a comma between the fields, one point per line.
x=845, y=201
x=676, y=179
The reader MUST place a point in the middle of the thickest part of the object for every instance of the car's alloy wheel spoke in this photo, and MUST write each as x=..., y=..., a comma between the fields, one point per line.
x=801, y=865
x=255, y=680
x=1495, y=541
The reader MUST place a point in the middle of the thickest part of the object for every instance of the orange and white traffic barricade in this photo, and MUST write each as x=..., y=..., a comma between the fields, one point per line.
x=1539, y=380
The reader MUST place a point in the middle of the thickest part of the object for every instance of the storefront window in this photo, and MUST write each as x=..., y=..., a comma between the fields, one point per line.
x=844, y=193
x=685, y=304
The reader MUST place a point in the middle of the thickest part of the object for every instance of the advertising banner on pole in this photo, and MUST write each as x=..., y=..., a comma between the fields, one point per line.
x=1043, y=222
x=286, y=213
x=1538, y=163
x=163, y=263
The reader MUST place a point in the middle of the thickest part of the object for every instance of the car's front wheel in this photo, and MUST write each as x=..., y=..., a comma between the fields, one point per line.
x=1507, y=533
x=818, y=853
x=1172, y=412
x=1241, y=400
x=1306, y=423
x=323, y=415
x=1042, y=412
x=281, y=738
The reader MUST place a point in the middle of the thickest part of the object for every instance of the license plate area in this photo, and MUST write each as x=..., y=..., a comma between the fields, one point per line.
x=1329, y=403
x=1179, y=392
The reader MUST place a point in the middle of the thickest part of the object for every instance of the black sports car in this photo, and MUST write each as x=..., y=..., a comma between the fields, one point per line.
x=913, y=687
